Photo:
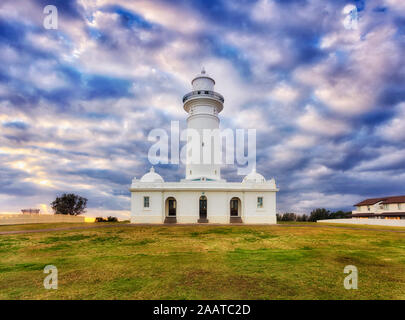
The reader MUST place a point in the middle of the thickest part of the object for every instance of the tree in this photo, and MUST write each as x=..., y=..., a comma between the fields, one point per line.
x=70, y=204
x=289, y=217
x=319, y=214
x=339, y=215
x=302, y=218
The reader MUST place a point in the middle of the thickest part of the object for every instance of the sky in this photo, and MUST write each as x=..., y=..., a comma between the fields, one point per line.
x=77, y=103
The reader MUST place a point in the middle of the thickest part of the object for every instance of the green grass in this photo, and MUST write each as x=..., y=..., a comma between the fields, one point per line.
x=203, y=262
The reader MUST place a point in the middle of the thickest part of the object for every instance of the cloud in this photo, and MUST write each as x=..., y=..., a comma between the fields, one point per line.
x=312, y=121
x=394, y=130
x=310, y=200
x=284, y=93
x=77, y=103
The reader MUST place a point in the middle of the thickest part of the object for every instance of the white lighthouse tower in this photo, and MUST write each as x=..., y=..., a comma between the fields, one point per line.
x=203, y=197
x=203, y=105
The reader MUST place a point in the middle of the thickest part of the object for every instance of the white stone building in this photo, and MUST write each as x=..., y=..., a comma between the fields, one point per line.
x=203, y=196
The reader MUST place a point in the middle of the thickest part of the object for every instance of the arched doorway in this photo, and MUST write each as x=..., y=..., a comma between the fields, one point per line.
x=235, y=210
x=171, y=207
x=235, y=206
x=203, y=210
x=170, y=210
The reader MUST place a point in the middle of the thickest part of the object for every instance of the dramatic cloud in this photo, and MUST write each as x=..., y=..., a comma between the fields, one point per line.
x=77, y=103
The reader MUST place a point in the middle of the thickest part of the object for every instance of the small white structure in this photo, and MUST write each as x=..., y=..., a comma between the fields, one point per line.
x=203, y=196
x=30, y=211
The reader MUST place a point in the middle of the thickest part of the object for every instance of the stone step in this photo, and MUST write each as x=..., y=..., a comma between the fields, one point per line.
x=170, y=220
x=236, y=220
x=202, y=220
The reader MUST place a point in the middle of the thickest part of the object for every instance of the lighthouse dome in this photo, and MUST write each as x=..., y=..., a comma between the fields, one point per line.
x=203, y=82
x=152, y=176
x=254, y=177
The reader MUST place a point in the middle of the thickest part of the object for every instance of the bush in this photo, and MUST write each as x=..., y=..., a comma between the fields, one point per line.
x=108, y=219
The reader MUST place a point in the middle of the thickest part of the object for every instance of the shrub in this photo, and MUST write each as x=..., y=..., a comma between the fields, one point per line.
x=108, y=219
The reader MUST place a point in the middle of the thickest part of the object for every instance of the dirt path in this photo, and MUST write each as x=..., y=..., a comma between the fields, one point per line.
x=170, y=225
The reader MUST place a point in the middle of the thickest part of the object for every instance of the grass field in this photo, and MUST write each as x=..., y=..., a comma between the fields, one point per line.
x=203, y=262
x=38, y=226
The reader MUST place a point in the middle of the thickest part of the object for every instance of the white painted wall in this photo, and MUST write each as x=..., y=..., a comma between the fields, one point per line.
x=188, y=207
x=218, y=206
x=267, y=214
x=153, y=214
x=203, y=118
x=375, y=222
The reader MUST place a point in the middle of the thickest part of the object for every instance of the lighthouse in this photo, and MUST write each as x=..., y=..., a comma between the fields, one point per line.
x=203, y=105
x=203, y=196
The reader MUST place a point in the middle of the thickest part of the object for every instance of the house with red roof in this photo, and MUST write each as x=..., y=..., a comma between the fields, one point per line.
x=381, y=208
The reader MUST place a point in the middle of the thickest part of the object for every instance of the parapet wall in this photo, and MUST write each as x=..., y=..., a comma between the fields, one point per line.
x=6, y=219
x=374, y=222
